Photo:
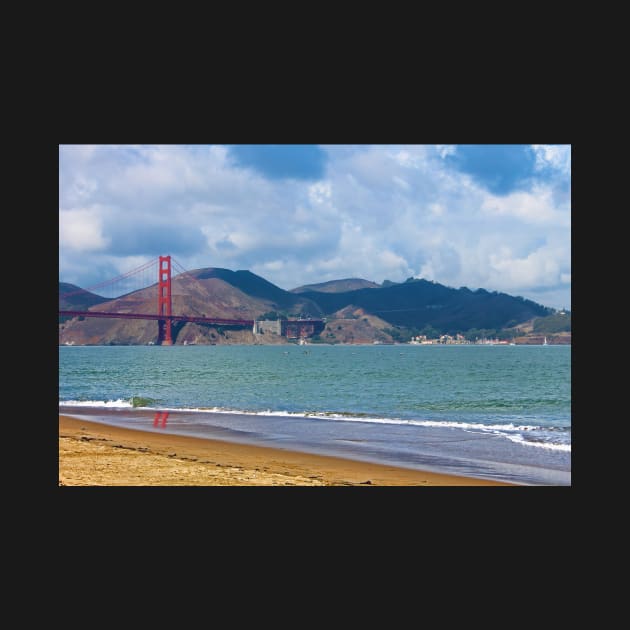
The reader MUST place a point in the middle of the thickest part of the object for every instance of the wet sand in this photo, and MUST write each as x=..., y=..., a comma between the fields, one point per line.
x=94, y=454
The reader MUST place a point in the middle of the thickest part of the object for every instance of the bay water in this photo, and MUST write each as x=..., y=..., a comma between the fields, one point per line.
x=492, y=411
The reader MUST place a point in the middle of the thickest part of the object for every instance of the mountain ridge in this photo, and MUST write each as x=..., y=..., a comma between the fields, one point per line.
x=337, y=286
x=371, y=312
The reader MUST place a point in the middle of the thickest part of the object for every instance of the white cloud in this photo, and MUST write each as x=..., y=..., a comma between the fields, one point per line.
x=555, y=156
x=530, y=207
x=391, y=262
x=271, y=266
x=401, y=182
x=320, y=192
x=81, y=230
x=446, y=149
x=535, y=269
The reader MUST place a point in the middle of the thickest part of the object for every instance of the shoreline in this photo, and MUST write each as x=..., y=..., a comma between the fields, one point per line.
x=95, y=454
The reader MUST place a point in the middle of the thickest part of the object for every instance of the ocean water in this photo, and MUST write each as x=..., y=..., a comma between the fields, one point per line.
x=494, y=412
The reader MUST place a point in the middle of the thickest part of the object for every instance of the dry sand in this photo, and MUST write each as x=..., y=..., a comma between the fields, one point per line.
x=94, y=454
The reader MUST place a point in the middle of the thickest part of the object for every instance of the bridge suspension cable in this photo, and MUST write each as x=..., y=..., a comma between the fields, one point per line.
x=106, y=283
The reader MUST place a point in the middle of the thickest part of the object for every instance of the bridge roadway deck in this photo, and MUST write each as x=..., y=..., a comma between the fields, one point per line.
x=174, y=318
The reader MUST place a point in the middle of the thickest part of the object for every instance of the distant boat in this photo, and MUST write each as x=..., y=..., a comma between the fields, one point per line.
x=545, y=342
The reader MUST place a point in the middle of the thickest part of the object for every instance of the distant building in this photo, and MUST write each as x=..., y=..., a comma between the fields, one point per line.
x=290, y=328
x=262, y=326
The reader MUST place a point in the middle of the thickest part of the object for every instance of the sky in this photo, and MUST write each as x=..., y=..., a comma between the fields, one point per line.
x=496, y=217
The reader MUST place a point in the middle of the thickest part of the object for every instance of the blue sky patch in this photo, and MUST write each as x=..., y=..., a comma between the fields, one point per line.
x=501, y=168
x=281, y=161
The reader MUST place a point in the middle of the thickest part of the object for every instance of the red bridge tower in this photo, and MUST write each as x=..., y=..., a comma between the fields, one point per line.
x=164, y=301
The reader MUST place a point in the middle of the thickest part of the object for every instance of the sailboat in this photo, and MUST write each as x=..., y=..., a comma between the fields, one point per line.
x=545, y=342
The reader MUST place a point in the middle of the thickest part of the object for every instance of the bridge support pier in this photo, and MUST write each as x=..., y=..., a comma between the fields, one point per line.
x=164, y=302
x=164, y=333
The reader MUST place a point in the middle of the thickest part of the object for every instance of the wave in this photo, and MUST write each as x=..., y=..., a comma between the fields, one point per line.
x=113, y=404
x=551, y=438
x=135, y=402
x=540, y=443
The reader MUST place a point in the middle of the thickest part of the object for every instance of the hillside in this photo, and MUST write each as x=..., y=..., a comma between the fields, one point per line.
x=354, y=325
x=203, y=293
x=257, y=287
x=384, y=313
x=555, y=323
x=338, y=286
x=74, y=298
x=418, y=303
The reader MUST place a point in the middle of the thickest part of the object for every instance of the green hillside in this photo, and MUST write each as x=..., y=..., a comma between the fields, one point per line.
x=555, y=323
x=418, y=303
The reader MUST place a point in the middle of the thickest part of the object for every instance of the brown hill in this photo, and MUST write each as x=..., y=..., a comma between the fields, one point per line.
x=354, y=325
x=210, y=297
x=74, y=298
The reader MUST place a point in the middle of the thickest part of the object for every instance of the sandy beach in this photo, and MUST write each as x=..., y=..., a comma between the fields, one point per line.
x=94, y=454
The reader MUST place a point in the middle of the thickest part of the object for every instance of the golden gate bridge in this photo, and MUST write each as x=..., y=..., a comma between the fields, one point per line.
x=164, y=304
